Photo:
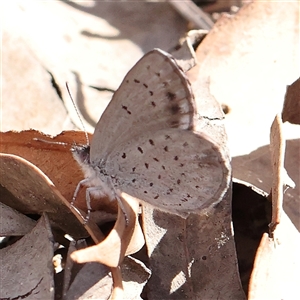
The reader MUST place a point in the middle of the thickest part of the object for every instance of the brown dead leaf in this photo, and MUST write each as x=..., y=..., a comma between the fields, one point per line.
x=291, y=106
x=26, y=269
x=55, y=160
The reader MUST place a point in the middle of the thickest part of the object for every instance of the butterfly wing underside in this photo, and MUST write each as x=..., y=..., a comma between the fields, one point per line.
x=155, y=94
x=172, y=169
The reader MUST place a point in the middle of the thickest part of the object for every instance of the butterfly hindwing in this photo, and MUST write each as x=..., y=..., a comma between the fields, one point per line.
x=174, y=170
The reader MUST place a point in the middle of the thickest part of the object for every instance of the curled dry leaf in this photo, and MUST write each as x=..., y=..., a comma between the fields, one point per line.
x=35, y=251
x=184, y=53
x=124, y=238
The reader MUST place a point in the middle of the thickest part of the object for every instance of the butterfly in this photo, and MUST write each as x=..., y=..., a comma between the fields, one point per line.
x=146, y=145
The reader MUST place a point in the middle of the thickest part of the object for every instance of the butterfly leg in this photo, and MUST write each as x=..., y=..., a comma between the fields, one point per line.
x=96, y=192
x=118, y=197
x=78, y=187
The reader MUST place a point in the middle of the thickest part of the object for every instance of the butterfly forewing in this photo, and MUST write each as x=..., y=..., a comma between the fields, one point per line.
x=155, y=94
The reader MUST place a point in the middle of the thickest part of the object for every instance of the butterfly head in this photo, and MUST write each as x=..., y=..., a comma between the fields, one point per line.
x=81, y=154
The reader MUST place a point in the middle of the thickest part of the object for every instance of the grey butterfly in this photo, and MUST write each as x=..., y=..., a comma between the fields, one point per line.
x=145, y=143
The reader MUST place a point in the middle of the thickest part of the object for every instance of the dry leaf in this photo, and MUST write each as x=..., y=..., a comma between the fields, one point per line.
x=291, y=106
x=36, y=194
x=276, y=269
x=55, y=160
x=193, y=258
x=26, y=266
x=124, y=238
x=12, y=223
x=246, y=61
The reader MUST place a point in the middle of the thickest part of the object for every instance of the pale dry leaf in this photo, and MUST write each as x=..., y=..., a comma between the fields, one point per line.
x=12, y=223
x=276, y=270
x=246, y=64
x=100, y=33
x=35, y=251
x=22, y=71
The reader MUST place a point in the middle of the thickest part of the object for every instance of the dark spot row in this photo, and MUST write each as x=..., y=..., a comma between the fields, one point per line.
x=146, y=86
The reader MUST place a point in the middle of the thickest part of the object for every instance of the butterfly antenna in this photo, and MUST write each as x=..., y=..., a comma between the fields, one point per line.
x=77, y=112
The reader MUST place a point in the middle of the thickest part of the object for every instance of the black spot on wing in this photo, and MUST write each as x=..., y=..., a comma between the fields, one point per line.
x=140, y=149
x=175, y=109
x=126, y=108
x=171, y=96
